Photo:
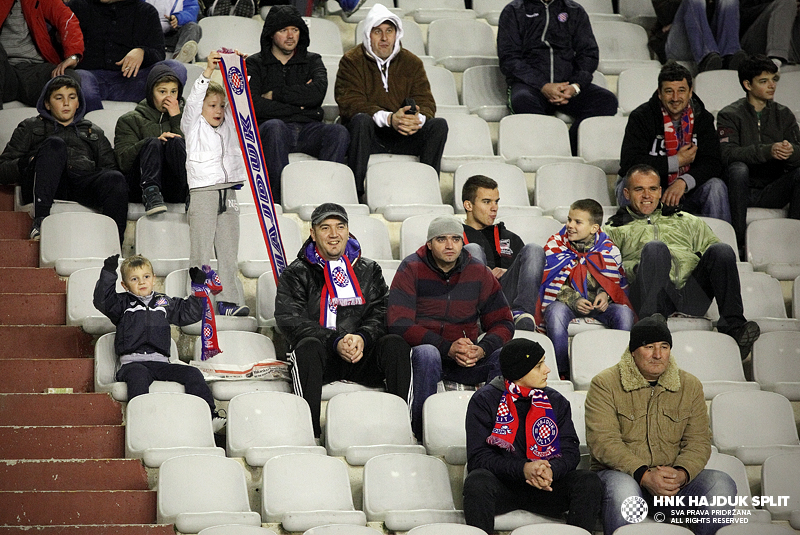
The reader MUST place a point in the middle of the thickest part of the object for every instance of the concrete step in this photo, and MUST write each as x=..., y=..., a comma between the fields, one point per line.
x=108, y=529
x=19, y=253
x=67, y=442
x=35, y=376
x=30, y=508
x=59, y=409
x=7, y=198
x=33, y=308
x=15, y=225
x=38, y=280
x=44, y=341
x=84, y=474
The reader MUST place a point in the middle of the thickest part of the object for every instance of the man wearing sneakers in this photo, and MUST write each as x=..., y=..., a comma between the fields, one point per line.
x=179, y=24
x=517, y=266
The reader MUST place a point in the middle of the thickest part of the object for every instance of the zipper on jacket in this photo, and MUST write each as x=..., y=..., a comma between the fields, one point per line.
x=222, y=162
x=544, y=33
x=655, y=227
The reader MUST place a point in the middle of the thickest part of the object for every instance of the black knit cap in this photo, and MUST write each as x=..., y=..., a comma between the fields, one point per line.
x=518, y=357
x=648, y=331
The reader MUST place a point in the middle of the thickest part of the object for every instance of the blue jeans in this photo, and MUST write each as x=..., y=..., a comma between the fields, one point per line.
x=327, y=142
x=709, y=199
x=101, y=84
x=557, y=316
x=429, y=367
x=618, y=486
x=692, y=37
x=520, y=283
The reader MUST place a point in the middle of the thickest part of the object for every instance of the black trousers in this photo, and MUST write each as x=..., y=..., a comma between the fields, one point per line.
x=162, y=164
x=579, y=493
x=140, y=375
x=366, y=138
x=387, y=361
x=52, y=178
x=25, y=81
x=715, y=276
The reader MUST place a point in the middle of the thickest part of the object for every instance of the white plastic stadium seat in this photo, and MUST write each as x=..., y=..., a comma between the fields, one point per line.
x=635, y=86
x=448, y=45
x=402, y=189
x=446, y=529
x=773, y=246
x=164, y=240
x=622, y=45
x=553, y=379
x=788, y=91
x=373, y=236
x=780, y=476
x=413, y=233
x=717, y=88
x=510, y=181
x=593, y=352
x=443, y=89
x=266, y=291
x=638, y=12
x=76, y=240
x=762, y=298
x=253, y=256
x=200, y=491
x=342, y=529
x=236, y=529
x=532, y=229
x=427, y=11
x=549, y=529
x=776, y=363
x=325, y=37
x=443, y=417
x=485, y=92
x=516, y=144
x=106, y=119
x=736, y=469
x=80, y=306
x=262, y=425
x=468, y=140
x=600, y=142
x=305, y=185
x=235, y=33
x=164, y=425
x=560, y=184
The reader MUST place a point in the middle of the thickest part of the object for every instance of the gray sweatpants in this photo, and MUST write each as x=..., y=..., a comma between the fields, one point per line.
x=211, y=230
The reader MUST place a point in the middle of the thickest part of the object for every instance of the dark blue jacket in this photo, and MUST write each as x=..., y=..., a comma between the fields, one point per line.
x=540, y=43
x=508, y=466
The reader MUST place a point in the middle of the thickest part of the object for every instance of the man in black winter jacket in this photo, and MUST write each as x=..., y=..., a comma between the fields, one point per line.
x=288, y=84
x=60, y=155
x=331, y=305
x=548, y=53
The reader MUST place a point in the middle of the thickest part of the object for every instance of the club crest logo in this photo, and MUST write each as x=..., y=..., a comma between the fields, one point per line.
x=236, y=80
x=545, y=431
x=634, y=509
x=339, y=277
x=162, y=302
x=562, y=17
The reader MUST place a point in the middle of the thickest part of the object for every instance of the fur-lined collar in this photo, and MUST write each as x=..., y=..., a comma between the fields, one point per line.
x=632, y=379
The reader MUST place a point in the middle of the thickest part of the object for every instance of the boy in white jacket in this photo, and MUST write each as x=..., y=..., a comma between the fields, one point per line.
x=214, y=171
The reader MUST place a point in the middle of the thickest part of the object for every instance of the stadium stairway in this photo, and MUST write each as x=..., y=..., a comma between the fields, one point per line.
x=62, y=465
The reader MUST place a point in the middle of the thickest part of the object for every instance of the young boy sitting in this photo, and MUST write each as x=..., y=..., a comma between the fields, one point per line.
x=143, y=318
x=214, y=170
x=583, y=277
x=149, y=144
x=60, y=155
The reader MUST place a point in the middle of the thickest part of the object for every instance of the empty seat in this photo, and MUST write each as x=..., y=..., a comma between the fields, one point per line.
x=342, y=529
x=288, y=498
x=638, y=12
x=175, y=285
x=373, y=236
x=773, y=246
x=443, y=89
x=419, y=194
x=447, y=43
x=80, y=305
x=325, y=37
x=236, y=529
x=549, y=528
x=753, y=425
x=718, y=88
x=757, y=214
x=266, y=291
x=413, y=233
x=428, y=11
x=468, y=140
x=650, y=528
x=307, y=184
x=713, y=358
x=164, y=240
x=106, y=366
x=593, y=352
x=510, y=181
x=736, y=469
x=164, y=425
x=600, y=142
x=553, y=380
x=560, y=184
x=443, y=430
x=489, y=10
x=242, y=349
x=762, y=298
x=776, y=363
x=76, y=240
x=622, y=45
x=106, y=119
x=200, y=491
x=635, y=86
x=406, y=490
x=446, y=529
x=485, y=92
x=780, y=476
x=361, y=425
x=262, y=425
x=788, y=90
x=236, y=33
x=530, y=141
x=532, y=229
x=253, y=255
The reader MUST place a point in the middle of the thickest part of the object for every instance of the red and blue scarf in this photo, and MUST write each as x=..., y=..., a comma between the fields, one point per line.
x=208, y=331
x=341, y=285
x=673, y=142
x=541, y=428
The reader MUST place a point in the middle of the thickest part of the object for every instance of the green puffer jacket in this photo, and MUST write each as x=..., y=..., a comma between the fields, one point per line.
x=687, y=237
x=630, y=424
x=136, y=127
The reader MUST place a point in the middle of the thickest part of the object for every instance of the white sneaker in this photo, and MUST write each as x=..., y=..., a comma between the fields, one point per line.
x=188, y=52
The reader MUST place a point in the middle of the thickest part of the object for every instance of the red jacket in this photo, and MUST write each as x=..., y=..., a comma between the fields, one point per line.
x=38, y=13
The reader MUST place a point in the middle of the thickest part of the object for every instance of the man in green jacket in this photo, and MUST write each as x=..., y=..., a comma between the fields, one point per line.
x=149, y=144
x=674, y=260
x=760, y=143
x=647, y=431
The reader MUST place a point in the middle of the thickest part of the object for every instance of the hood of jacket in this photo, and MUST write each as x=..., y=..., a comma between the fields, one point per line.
x=159, y=71
x=280, y=17
x=632, y=379
x=377, y=16
x=44, y=112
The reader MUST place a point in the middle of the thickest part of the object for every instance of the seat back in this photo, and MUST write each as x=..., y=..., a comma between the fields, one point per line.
x=718, y=88
x=80, y=306
x=446, y=529
x=443, y=416
x=776, y=359
x=788, y=91
x=317, y=182
x=77, y=240
x=10, y=118
x=620, y=41
x=253, y=255
x=266, y=291
x=164, y=240
x=166, y=420
x=485, y=92
x=236, y=33
x=446, y=40
x=325, y=36
x=532, y=229
x=238, y=347
x=723, y=230
x=635, y=86
x=105, y=368
x=443, y=86
x=600, y=142
x=593, y=352
x=780, y=476
x=510, y=181
x=413, y=232
x=708, y=355
x=420, y=184
x=549, y=353
x=560, y=184
x=773, y=245
x=107, y=119
x=468, y=139
x=515, y=140
x=373, y=236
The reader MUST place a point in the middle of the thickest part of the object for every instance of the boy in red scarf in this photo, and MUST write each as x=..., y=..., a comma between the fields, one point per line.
x=522, y=448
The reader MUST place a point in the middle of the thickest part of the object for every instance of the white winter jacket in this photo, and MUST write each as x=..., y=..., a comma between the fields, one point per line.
x=213, y=155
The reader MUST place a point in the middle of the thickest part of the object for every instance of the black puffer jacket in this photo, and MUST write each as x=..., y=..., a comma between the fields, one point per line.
x=293, y=98
x=88, y=149
x=297, y=304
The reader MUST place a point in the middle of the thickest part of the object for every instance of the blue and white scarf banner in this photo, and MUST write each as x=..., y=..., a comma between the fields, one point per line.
x=234, y=74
